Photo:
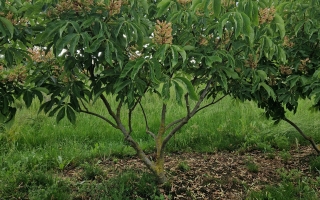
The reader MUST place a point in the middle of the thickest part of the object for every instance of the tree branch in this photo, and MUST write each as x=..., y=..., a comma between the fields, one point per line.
x=186, y=97
x=107, y=104
x=173, y=123
x=119, y=109
x=146, y=121
x=101, y=117
x=214, y=102
x=181, y=122
x=303, y=135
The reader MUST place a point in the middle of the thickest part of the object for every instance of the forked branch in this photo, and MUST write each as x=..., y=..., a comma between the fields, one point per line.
x=181, y=122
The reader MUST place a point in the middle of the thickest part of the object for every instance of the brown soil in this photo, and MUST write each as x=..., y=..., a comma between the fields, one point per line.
x=222, y=175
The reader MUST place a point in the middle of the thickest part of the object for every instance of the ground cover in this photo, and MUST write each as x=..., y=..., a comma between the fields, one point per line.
x=223, y=152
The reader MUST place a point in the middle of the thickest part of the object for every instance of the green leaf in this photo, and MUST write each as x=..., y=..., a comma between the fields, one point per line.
x=223, y=81
x=179, y=92
x=120, y=85
x=8, y=25
x=246, y=24
x=163, y=7
x=61, y=114
x=262, y=74
x=216, y=7
x=174, y=59
x=280, y=25
x=165, y=93
x=161, y=52
x=181, y=52
x=268, y=89
x=189, y=87
x=189, y=47
x=195, y=4
x=138, y=65
x=238, y=20
x=27, y=98
x=42, y=89
x=222, y=22
x=96, y=44
x=145, y=5
x=255, y=14
x=73, y=44
x=127, y=68
x=108, y=53
x=62, y=42
x=230, y=73
x=71, y=115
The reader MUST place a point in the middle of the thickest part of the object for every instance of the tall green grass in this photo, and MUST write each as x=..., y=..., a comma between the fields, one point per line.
x=34, y=147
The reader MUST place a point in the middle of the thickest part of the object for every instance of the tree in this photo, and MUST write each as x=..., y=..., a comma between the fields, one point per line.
x=77, y=52
x=298, y=77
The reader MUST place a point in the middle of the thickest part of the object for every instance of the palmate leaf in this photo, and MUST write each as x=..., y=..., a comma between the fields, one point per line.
x=238, y=23
x=280, y=25
x=216, y=7
x=138, y=65
x=62, y=42
x=163, y=7
x=188, y=85
x=8, y=25
x=268, y=89
x=61, y=114
x=179, y=92
x=71, y=115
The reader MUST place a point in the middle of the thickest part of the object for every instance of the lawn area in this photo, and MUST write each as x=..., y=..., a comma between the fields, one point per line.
x=229, y=151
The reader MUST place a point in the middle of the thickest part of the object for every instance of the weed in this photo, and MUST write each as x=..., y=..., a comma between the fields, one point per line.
x=183, y=166
x=285, y=156
x=92, y=171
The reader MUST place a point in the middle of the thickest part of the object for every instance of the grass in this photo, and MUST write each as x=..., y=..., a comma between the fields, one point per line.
x=34, y=148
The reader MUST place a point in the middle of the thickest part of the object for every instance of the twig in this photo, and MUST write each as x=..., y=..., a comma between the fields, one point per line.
x=101, y=117
x=214, y=102
x=146, y=121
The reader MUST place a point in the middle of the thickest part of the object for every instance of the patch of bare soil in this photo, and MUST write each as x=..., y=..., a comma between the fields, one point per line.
x=222, y=175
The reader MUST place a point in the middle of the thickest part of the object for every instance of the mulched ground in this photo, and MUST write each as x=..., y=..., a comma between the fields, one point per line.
x=222, y=175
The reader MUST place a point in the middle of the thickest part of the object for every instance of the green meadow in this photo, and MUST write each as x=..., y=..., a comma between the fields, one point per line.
x=35, y=150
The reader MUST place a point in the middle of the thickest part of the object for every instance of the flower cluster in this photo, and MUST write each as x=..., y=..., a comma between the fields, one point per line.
x=287, y=42
x=15, y=75
x=163, y=33
x=203, y=41
x=184, y=2
x=38, y=55
x=10, y=16
x=71, y=5
x=115, y=7
x=266, y=15
x=85, y=6
x=303, y=65
x=251, y=62
x=285, y=70
x=134, y=53
x=272, y=80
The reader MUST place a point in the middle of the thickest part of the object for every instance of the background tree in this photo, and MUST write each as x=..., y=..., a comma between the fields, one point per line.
x=298, y=76
x=88, y=51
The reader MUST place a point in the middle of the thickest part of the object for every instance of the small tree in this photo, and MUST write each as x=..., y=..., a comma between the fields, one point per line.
x=298, y=77
x=85, y=51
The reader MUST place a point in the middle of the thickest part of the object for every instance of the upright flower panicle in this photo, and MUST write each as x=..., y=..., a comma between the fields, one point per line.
x=266, y=15
x=163, y=33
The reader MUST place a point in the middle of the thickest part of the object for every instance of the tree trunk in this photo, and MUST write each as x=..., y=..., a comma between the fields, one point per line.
x=158, y=169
